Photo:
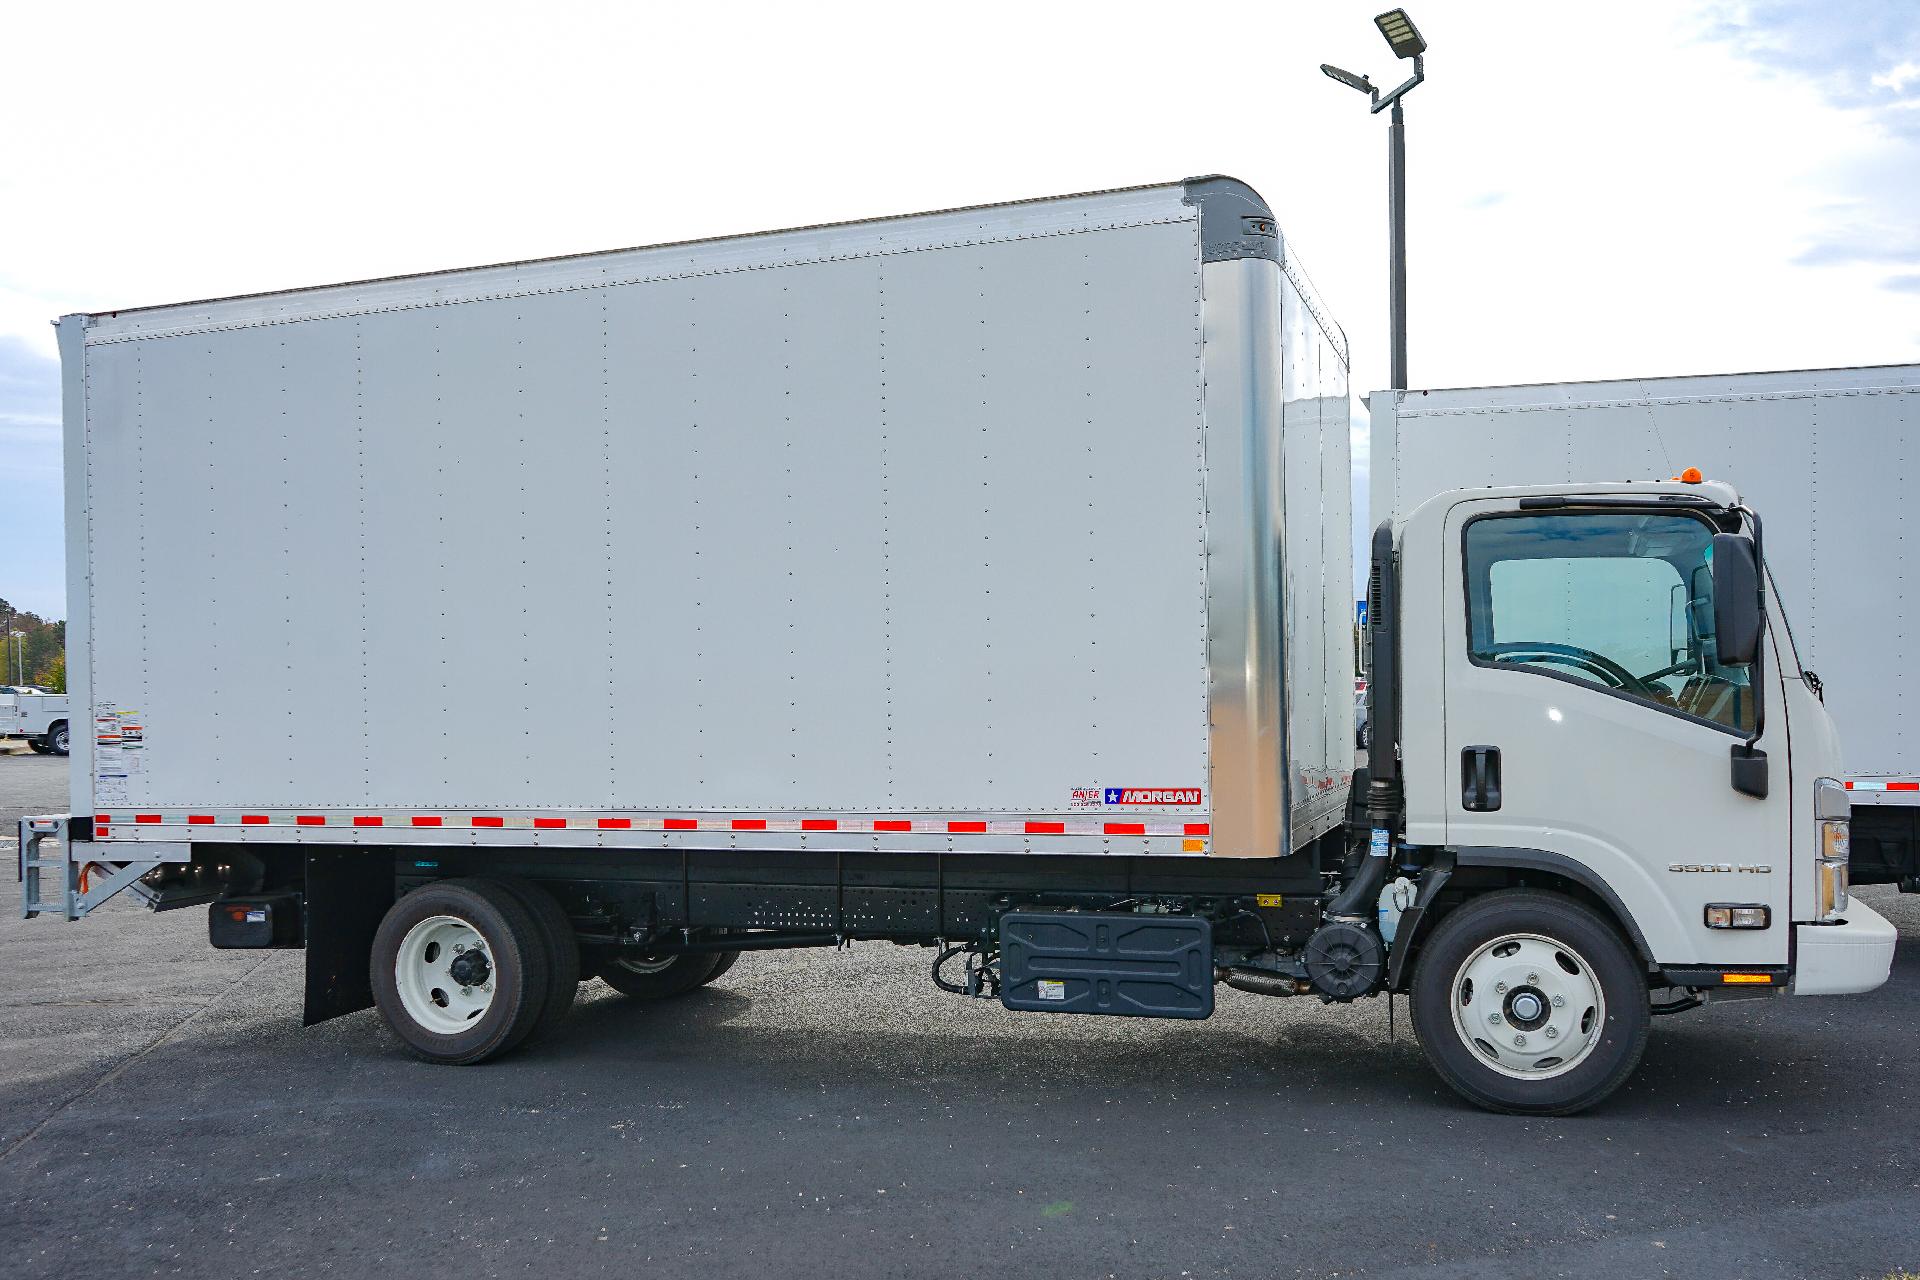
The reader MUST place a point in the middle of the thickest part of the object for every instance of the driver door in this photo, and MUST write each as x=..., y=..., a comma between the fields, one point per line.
x=1588, y=719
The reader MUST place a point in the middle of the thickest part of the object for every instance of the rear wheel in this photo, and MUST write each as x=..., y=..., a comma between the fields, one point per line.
x=563, y=950
x=39, y=746
x=460, y=971
x=727, y=960
x=647, y=977
x=57, y=739
x=1531, y=1003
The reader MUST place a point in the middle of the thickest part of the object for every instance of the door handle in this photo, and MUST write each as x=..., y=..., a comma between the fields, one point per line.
x=1480, y=779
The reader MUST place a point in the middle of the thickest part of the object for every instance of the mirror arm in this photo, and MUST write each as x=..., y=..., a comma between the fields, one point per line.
x=1749, y=762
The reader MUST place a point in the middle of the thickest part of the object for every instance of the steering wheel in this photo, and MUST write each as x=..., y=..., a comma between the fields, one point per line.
x=1570, y=655
x=1690, y=665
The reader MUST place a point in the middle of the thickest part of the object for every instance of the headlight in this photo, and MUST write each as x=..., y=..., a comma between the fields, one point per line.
x=1833, y=809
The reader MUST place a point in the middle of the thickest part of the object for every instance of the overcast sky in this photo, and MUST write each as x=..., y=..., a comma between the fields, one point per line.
x=1596, y=191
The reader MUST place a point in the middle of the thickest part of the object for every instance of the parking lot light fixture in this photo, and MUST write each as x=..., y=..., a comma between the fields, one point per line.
x=1402, y=36
x=1349, y=79
x=1406, y=42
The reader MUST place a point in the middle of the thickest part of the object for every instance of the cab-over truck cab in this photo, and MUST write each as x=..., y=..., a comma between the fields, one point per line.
x=1598, y=759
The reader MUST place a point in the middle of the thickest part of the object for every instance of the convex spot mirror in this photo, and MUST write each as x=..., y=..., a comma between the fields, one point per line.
x=1736, y=599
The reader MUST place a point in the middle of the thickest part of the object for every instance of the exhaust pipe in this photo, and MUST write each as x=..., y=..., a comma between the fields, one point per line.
x=1262, y=982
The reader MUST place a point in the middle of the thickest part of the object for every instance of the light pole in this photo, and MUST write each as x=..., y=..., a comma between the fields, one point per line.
x=1406, y=42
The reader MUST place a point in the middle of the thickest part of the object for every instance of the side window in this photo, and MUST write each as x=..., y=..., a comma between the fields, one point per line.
x=1622, y=601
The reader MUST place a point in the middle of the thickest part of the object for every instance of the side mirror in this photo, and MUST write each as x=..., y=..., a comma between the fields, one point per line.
x=1736, y=599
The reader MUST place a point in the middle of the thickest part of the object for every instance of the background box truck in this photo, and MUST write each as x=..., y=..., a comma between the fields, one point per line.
x=1830, y=455
x=976, y=580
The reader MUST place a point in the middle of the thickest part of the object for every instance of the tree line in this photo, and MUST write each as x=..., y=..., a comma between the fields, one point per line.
x=36, y=649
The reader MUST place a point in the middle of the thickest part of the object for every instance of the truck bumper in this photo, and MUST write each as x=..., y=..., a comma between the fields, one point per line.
x=1844, y=959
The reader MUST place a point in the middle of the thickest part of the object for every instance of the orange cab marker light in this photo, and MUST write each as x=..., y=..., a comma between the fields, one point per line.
x=1731, y=978
x=1690, y=476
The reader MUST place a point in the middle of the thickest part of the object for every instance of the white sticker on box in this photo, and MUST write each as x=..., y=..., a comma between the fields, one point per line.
x=1050, y=989
x=119, y=745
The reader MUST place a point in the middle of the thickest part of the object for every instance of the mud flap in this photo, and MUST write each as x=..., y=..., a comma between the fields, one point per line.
x=348, y=891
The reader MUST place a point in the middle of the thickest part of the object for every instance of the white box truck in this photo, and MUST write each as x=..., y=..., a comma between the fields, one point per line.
x=975, y=580
x=35, y=715
x=1830, y=455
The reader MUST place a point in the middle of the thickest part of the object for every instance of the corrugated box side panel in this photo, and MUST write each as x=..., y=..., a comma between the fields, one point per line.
x=914, y=528
x=1858, y=621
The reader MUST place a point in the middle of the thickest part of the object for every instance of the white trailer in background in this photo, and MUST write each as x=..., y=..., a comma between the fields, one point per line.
x=977, y=580
x=1830, y=456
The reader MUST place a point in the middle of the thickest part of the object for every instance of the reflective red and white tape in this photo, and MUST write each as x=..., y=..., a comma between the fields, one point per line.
x=1883, y=784
x=105, y=824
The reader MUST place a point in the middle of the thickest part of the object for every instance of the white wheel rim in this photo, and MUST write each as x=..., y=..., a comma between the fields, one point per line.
x=1529, y=1007
x=430, y=987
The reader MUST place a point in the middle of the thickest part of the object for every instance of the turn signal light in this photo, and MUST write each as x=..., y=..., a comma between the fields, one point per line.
x=1738, y=915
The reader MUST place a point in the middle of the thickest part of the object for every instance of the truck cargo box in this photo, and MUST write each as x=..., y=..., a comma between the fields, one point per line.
x=1017, y=528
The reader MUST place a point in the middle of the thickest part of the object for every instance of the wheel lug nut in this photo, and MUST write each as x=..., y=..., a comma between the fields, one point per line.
x=1559, y=1001
x=1494, y=1018
x=1519, y=1042
x=1553, y=1033
x=459, y=946
x=1499, y=986
x=1533, y=979
x=466, y=991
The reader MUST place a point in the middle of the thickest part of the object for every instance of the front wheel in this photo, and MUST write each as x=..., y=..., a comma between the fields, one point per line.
x=1530, y=1003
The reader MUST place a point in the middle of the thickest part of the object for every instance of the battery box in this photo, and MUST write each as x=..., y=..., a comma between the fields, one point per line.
x=262, y=920
x=1138, y=966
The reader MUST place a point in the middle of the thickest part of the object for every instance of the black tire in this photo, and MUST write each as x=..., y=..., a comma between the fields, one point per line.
x=39, y=746
x=57, y=738
x=727, y=960
x=656, y=978
x=516, y=948
x=563, y=949
x=1584, y=935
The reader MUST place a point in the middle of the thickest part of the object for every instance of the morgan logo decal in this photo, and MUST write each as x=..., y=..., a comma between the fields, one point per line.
x=1153, y=795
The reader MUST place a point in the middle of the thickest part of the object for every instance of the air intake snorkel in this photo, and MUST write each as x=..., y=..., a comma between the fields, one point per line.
x=1356, y=901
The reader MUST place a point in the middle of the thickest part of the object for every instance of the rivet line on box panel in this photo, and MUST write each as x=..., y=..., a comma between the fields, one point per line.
x=657, y=278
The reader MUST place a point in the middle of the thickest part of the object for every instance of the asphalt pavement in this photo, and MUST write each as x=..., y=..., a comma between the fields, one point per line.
x=821, y=1114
